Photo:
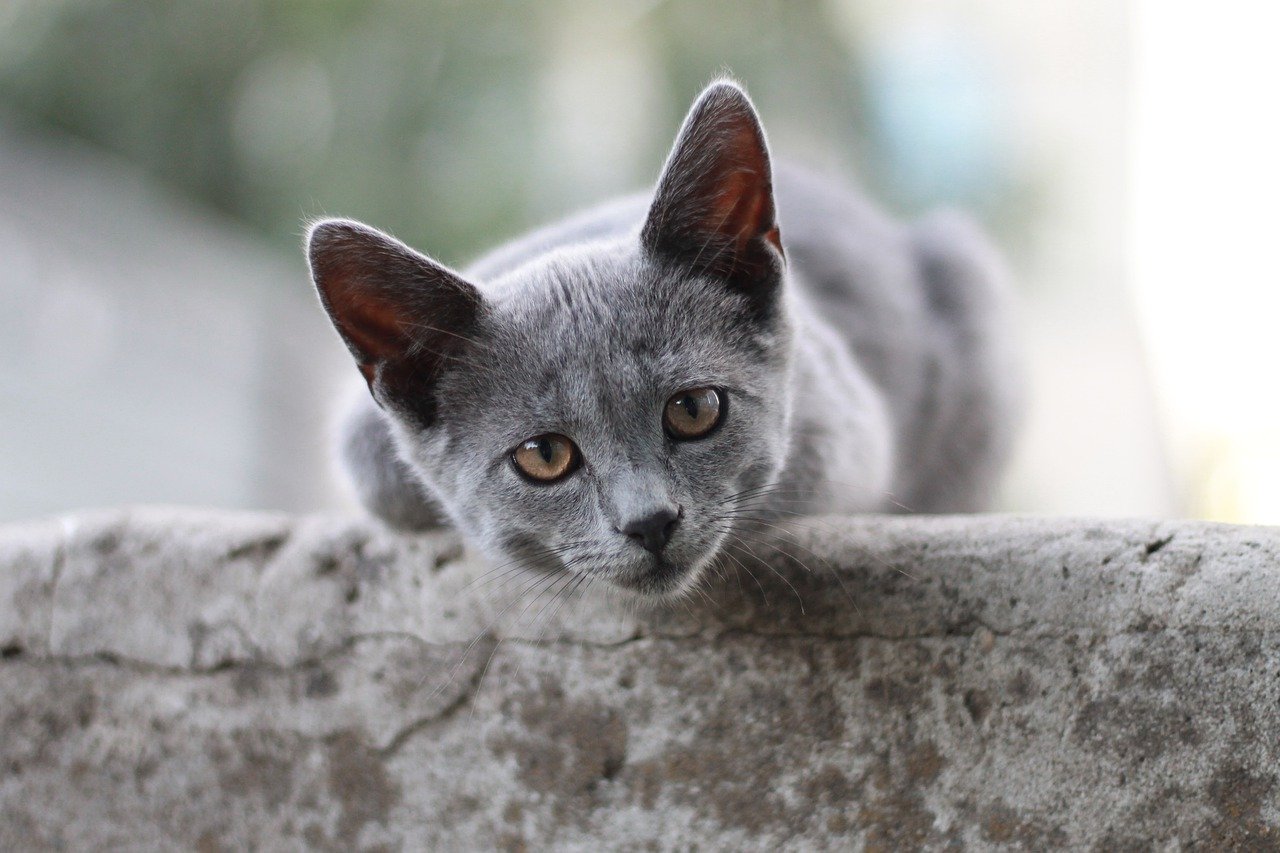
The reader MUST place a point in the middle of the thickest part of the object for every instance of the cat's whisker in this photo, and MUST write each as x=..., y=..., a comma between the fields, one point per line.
x=563, y=597
x=807, y=492
x=574, y=579
x=783, y=531
x=807, y=568
x=743, y=507
x=538, y=597
x=584, y=579
x=801, y=519
x=479, y=689
x=826, y=564
x=725, y=571
x=569, y=572
x=750, y=556
x=453, y=673
x=750, y=574
x=721, y=571
x=790, y=517
x=750, y=491
x=696, y=587
x=516, y=570
x=524, y=561
x=503, y=569
x=768, y=566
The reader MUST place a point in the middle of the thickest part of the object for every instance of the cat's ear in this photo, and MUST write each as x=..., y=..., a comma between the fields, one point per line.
x=713, y=208
x=402, y=315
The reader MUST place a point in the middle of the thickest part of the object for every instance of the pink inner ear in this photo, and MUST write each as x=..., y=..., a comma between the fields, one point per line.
x=745, y=207
x=401, y=314
x=383, y=333
x=742, y=206
x=774, y=236
x=373, y=326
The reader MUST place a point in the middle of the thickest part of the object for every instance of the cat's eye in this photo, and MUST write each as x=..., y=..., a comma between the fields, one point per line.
x=546, y=458
x=693, y=413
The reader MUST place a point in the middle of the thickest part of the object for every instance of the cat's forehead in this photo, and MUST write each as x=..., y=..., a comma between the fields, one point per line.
x=615, y=312
x=584, y=344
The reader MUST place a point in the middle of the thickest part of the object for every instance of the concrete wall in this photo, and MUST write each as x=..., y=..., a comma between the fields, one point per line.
x=230, y=681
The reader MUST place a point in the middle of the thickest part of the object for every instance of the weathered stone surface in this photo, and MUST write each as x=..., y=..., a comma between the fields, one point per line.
x=215, y=681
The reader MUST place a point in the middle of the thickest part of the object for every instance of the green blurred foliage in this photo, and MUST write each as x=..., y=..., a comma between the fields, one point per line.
x=426, y=118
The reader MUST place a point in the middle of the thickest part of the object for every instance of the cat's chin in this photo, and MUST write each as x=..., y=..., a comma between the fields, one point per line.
x=660, y=581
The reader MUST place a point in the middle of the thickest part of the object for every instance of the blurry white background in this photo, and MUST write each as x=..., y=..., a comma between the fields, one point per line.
x=1203, y=219
x=159, y=342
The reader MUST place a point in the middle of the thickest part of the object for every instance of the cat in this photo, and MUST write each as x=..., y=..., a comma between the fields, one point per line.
x=619, y=395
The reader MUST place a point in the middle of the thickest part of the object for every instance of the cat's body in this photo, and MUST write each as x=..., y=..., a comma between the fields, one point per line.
x=868, y=370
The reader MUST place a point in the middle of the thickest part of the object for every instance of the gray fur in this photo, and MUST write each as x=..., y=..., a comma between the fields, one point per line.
x=874, y=373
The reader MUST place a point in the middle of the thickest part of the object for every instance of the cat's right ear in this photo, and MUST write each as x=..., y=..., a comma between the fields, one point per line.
x=402, y=315
x=713, y=209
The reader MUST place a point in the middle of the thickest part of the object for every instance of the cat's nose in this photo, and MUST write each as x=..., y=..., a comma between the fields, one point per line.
x=654, y=530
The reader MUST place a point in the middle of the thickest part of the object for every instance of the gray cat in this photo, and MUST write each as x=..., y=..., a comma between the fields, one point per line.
x=620, y=395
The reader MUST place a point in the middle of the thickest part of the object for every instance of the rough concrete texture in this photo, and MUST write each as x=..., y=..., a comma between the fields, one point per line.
x=197, y=680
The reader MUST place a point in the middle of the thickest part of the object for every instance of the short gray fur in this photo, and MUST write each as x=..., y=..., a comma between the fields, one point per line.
x=870, y=370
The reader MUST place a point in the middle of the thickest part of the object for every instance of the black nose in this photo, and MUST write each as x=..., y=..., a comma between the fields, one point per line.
x=653, y=530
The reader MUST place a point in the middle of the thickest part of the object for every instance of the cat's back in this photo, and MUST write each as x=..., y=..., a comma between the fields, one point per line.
x=926, y=308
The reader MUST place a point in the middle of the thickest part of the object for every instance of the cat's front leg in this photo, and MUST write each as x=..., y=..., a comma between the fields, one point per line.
x=382, y=482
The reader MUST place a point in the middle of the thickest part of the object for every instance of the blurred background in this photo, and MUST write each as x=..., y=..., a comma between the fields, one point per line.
x=159, y=341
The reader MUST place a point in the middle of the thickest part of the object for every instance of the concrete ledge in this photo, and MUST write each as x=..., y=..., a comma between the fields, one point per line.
x=181, y=679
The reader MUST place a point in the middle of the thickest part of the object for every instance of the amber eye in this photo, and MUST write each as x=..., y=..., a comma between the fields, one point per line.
x=546, y=457
x=692, y=413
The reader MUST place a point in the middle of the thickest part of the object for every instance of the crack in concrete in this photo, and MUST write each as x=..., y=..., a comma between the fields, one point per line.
x=407, y=732
x=1155, y=546
x=108, y=658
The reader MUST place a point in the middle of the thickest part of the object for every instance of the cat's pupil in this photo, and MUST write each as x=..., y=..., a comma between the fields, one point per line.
x=545, y=451
x=690, y=405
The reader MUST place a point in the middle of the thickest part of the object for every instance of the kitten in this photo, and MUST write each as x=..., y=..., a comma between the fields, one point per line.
x=617, y=394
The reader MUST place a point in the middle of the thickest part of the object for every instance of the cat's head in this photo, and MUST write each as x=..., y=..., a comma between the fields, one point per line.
x=599, y=410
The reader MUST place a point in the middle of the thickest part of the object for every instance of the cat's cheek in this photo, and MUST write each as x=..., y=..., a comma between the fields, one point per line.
x=714, y=466
x=549, y=516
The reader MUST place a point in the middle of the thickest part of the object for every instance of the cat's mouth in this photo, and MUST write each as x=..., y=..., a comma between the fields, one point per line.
x=659, y=578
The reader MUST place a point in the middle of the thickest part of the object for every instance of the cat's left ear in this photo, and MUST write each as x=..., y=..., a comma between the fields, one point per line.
x=713, y=208
x=404, y=317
